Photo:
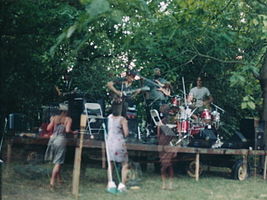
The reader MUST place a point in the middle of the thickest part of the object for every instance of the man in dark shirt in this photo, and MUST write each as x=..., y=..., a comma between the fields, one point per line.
x=158, y=94
x=120, y=87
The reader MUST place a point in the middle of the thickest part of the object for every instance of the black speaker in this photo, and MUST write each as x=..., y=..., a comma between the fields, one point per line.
x=76, y=108
x=247, y=128
x=259, y=136
x=133, y=127
x=18, y=122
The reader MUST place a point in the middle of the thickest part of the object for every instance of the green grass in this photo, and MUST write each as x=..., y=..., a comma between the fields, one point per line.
x=32, y=184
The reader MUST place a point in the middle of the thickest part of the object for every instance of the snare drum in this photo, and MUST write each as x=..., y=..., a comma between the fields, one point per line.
x=206, y=116
x=183, y=126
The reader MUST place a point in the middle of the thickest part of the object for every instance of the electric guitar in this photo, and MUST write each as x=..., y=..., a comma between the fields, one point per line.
x=128, y=93
x=162, y=87
x=60, y=93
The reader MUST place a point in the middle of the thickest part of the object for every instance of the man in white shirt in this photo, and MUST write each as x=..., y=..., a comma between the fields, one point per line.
x=198, y=93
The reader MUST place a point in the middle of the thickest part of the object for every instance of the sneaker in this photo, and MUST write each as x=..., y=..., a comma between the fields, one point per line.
x=111, y=184
x=112, y=188
x=122, y=188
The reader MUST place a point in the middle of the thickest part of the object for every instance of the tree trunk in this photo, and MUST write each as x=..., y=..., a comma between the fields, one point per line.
x=263, y=81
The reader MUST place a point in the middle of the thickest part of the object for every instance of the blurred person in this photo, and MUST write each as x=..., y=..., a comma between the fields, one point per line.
x=166, y=158
x=56, y=149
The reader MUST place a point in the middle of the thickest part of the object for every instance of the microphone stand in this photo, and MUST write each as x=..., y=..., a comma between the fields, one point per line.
x=185, y=103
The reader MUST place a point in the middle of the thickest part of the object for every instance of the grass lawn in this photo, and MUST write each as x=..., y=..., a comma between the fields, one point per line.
x=30, y=182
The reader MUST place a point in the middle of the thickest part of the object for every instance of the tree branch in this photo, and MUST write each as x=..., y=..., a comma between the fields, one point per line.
x=219, y=60
x=262, y=3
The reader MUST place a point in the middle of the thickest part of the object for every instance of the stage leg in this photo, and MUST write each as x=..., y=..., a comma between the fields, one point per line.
x=197, y=166
x=265, y=167
x=245, y=163
x=9, y=151
x=103, y=148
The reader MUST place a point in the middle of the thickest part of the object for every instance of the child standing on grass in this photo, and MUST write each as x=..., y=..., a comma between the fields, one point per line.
x=116, y=146
x=166, y=158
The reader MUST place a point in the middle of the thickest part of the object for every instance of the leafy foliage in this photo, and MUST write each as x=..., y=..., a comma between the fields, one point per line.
x=224, y=41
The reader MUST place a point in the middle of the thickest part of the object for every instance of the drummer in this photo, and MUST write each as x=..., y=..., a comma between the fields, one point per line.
x=197, y=94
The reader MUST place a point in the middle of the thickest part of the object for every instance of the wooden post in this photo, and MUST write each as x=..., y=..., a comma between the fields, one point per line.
x=103, y=149
x=9, y=151
x=245, y=163
x=265, y=167
x=197, y=166
x=77, y=159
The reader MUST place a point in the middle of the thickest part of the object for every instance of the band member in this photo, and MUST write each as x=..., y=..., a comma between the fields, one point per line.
x=119, y=87
x=160, y=90
x=197, y=94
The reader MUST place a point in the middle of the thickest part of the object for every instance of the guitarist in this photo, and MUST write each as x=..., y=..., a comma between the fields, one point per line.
x=119, y=87
x=160, y=90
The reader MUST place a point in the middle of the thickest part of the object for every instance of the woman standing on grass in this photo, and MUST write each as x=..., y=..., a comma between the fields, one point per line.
x=117, y=131
x=55, y=152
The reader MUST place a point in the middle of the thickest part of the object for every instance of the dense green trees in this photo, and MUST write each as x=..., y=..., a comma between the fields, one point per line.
x=223, y=40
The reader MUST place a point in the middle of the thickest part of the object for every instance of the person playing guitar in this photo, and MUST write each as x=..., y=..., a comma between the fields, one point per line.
x=160, y=90
x=122, y=88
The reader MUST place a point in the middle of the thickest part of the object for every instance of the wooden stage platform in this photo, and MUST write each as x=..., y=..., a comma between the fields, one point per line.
x=80, y=143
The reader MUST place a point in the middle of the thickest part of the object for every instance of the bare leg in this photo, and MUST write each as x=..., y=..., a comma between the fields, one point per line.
x=110, y=168
x=124, y=172
x=55, y=172
x=59, y=178
x=163, y=177
x=171, y=175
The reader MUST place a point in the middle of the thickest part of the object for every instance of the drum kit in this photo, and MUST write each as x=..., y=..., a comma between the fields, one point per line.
x=191, y=122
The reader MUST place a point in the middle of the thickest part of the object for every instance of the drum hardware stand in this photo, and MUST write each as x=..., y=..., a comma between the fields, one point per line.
x=218, y=143
x=185, y=102
x=217, y=107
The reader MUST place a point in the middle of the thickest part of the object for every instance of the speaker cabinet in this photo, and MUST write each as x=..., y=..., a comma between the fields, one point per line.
x=248, y=130
x=18, y=122
x=259, y=136
x=76, y=108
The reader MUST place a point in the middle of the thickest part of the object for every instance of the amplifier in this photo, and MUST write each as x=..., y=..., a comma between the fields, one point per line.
x=18, y=122
x=259, y=136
